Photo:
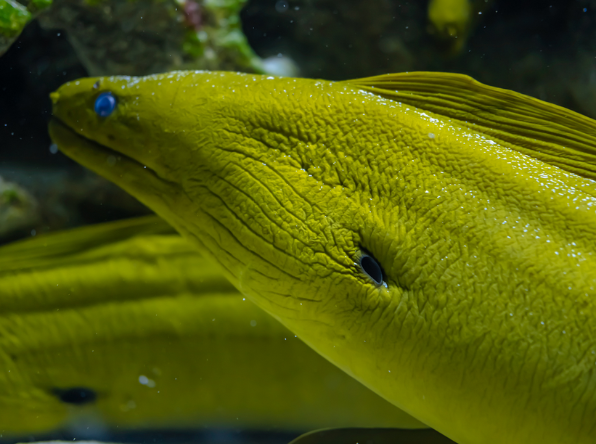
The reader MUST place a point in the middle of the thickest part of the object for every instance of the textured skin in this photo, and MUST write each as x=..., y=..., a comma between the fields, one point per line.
x=486, y=327
x=103, y=305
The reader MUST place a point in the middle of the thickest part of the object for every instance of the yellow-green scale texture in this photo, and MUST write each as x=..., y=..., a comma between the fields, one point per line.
x=484, y=327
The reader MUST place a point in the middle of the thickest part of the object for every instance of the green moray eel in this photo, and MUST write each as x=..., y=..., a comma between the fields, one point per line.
x=433, y=237
x=126, y=326
x=450, y=19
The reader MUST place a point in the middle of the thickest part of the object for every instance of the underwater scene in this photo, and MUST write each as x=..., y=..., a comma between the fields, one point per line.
x=298, y=221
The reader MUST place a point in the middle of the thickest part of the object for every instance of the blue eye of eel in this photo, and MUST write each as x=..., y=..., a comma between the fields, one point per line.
x=105, y=104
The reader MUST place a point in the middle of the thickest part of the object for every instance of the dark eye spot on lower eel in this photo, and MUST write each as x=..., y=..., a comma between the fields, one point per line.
x=75, y=395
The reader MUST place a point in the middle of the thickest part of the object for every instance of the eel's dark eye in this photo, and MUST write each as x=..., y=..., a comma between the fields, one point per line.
x=76, y=395
x=105, y=104
x=372, y=268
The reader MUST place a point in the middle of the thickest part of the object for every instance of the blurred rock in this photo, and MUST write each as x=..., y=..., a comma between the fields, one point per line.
x=18, y=210
x=140, y=37
x=37, y=200
x=150, y=36
x=339, y=39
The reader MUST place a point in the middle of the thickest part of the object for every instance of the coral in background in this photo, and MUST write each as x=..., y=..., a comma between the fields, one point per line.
x=141, y=36
x=18, y=210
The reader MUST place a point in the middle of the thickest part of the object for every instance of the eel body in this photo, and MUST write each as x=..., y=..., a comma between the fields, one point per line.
x=433, y=237
x=125, y=326
x=450, y=20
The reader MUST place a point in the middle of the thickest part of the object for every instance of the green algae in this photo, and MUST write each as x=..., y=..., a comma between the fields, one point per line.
x=218, y=41
x=35, y=6
x=13, y=18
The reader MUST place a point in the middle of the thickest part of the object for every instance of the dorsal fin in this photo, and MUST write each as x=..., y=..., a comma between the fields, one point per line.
x=538, y=129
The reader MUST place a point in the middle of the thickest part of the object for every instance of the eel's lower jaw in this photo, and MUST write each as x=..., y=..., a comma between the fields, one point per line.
x=87, y=152
x=138, y=180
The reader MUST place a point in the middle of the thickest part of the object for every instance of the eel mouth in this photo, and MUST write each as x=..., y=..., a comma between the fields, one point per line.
x=138, y=180
x=86, y=151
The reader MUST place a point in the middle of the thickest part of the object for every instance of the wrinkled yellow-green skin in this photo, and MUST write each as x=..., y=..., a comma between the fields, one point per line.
x=102, y=307
x=485, y=326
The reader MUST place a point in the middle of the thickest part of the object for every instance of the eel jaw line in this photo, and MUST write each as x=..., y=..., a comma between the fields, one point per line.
x=70, y=142
x=139, y=180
